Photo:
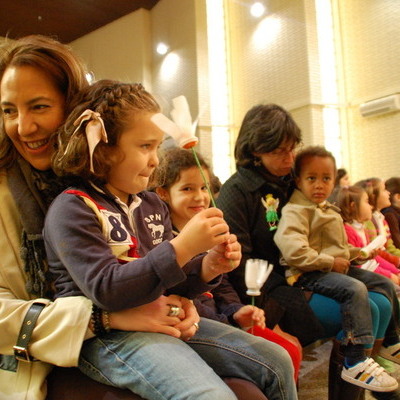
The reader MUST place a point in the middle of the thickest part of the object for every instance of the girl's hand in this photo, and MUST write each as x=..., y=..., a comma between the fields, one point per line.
x=221, y=258
x=201, y=233
x=151, y=317
x=248, y=316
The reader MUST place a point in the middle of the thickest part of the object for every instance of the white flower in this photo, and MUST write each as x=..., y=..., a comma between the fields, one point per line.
x=256, y=273
x=181, y=128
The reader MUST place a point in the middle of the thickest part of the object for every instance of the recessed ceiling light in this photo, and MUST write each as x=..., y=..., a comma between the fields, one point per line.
x=162, y=48
x=257, y=9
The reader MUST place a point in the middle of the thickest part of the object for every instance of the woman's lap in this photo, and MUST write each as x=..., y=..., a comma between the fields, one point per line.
x=156, y=366
x=163, y=367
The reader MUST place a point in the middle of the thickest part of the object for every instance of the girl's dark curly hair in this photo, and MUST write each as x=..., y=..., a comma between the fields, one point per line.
x=172, y=163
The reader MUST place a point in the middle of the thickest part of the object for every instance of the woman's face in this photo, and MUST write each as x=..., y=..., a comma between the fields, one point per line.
x=33, y=108
x=279, y=162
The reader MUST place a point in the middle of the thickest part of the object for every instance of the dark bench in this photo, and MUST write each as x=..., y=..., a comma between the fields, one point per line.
x=71, y=384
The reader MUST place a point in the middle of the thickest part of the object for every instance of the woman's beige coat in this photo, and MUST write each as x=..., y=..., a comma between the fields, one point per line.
x=61, y=328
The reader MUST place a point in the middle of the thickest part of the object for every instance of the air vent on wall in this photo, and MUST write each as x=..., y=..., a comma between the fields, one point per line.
x=380, y=106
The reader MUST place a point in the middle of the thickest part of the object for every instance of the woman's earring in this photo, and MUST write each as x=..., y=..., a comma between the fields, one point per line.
x=257, y=162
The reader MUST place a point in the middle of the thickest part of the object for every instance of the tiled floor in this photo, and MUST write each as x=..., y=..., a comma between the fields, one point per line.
x=313, y=381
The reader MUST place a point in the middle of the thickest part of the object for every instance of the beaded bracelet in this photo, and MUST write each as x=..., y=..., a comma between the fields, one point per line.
x=106, y=321
x=97, y=321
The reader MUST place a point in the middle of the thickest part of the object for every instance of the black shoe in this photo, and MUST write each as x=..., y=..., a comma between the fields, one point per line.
x=395, y=395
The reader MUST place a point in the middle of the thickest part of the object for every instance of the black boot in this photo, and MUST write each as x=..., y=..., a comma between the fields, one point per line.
x=338, y=388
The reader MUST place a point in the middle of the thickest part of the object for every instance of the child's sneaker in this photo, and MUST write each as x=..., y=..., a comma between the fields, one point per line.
x=391, y=353
x=369, y=375
x=389, y=366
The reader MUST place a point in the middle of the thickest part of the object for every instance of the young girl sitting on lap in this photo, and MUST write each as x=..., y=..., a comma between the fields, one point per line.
x=314, y=246
x=110, y=240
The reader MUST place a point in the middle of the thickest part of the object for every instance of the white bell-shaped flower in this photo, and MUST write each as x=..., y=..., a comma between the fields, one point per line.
x=256, y=273
x=180, y=128
x=181, y=116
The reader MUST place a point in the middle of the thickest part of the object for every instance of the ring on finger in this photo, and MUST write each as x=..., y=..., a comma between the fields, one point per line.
x=174, y=311
x=196, y=325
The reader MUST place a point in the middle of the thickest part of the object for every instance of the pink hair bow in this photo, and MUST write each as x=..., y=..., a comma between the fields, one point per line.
x=95, y=131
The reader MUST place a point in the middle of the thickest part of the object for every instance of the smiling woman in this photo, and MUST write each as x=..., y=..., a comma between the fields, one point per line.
x=39, y=77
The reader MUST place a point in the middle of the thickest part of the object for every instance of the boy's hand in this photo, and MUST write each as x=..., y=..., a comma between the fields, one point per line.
x=248, y=316
x=340, y=265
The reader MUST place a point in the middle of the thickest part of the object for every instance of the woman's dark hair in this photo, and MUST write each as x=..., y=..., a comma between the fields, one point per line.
x=345, y=197
x=118, y=105
x=341, y=172
x=56, y=60
x=393, y=186
x=264, y=129
x=172, y=163
x=311, y=151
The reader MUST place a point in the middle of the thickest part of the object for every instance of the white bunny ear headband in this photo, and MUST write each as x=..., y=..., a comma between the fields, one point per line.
x=94, y=130
x=181, y=128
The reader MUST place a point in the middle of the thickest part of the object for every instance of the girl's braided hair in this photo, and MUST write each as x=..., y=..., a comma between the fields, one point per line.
x=118, y=104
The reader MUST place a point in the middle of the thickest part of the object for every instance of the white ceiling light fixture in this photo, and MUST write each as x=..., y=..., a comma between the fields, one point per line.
x=162, y=48
x=257, y=10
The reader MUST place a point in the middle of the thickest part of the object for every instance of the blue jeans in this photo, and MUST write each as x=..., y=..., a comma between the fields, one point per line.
x=367, y=281
x=158, y=366
x=352, y=295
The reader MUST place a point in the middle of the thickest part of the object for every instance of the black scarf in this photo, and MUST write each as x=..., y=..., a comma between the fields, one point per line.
x=33, y=191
